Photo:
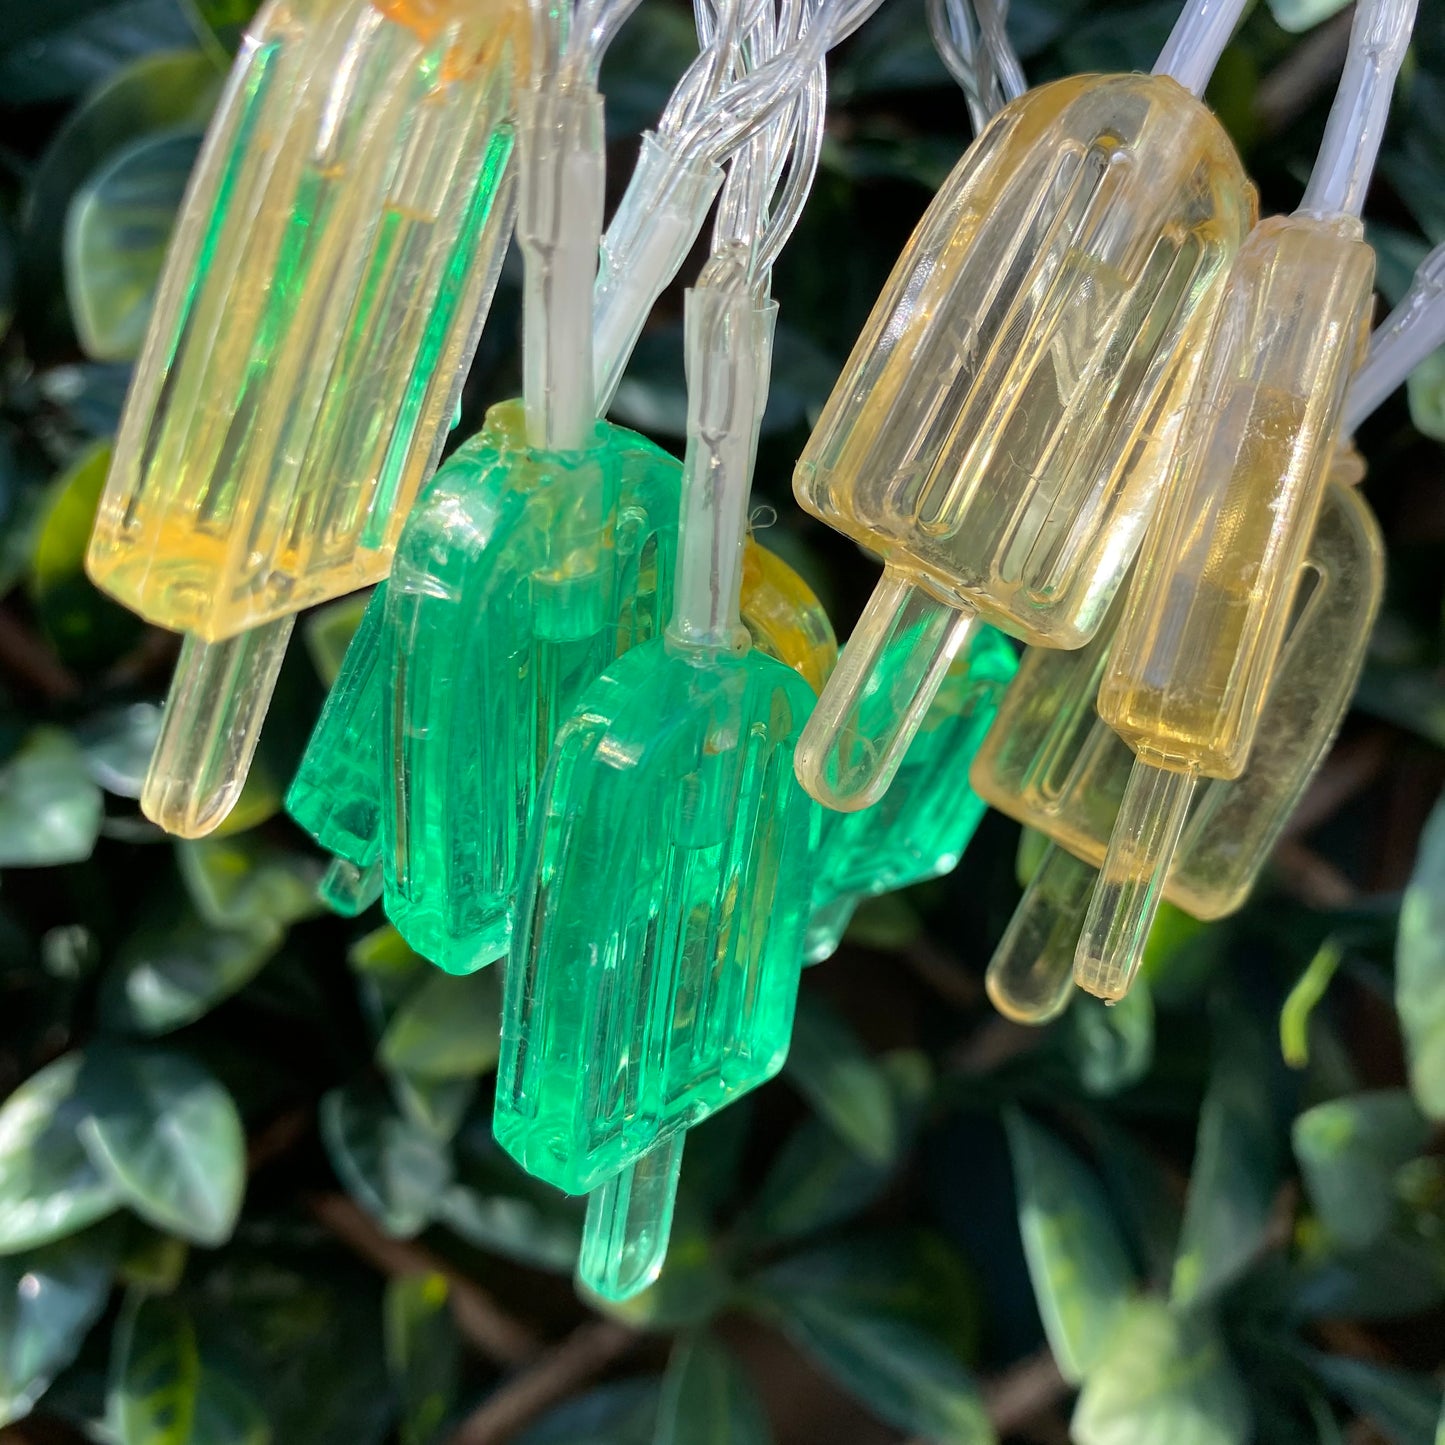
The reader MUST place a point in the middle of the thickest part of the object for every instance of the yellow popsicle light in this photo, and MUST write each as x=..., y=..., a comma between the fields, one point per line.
x=1000, y=432
x=1210, y=603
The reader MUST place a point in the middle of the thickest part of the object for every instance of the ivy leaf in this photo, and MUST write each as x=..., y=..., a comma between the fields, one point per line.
x=449, y=1028
x=167, y=1134
x=49, y=1186
x=622, y=1413
x=50, y=809
x=155, y=1374
x=1077, y=1261
x=707, y=1399
x=1164, y=1377
x=1297, y=16
x=117, y=744
x=394, y=1170
x=838, y=1077
x=226, y=1412
x=1425, y=387
x=70, y=57
x=1348, y=1152
x=1406, y=1407
x=169, y=91
x=1236, y=1165
x=48, y=1301
x=176, y=966
x=873, y=1343
x=87, y=627
x=245, y=881
x=1420, y=969
x=1111, y=1047
x=116, y=234
x=423, y=1354
x=819, y=1180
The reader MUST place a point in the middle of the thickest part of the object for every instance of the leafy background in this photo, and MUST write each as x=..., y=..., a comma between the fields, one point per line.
x=247, y=1188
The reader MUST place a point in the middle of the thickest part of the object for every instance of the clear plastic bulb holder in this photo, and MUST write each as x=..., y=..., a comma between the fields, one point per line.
x=335, y=254
x=1002, y=429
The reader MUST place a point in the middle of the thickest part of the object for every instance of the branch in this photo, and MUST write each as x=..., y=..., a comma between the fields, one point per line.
x=491, y=1331
x=584, y=1354
x=1020, y=1395
x=26, y=657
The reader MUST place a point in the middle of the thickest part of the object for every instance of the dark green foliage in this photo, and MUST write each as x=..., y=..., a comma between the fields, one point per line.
x=248, y=1193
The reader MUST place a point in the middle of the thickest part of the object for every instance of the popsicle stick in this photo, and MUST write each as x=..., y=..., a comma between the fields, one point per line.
x=876, y=699
x=349, y=890
x=629, y=1220
x=211, y=724
x=1030, y=978
x=1131, y=883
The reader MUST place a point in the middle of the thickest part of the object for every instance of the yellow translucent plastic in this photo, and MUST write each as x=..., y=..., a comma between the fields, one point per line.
x=1001, y=431
x=784, y=618
x=328, y=275
x=1053, y=765
x=1210, y=603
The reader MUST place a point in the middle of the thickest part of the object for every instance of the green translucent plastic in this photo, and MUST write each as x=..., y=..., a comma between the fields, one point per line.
x=661, y=933
x=519, y=576
x=920, y=827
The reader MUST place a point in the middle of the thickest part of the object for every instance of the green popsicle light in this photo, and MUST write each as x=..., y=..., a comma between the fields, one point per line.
x=660, y=936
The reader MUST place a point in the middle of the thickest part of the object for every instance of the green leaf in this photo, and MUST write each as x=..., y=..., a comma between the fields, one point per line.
x=1077, y=1260
x=117, y=744
x=50, y=810
x=82, y=51
x=707, y=1399
x=176, y=967
x=622, y=1413
x=1349, y=1151
x=48, y=1301
x=170, y=91
x=87, y=628
x=394, y=1170
x=818, y=1180
x=1406, y=1407
x=841, y=1080
x=243, y=881
x=49, y=1187
x=116, y=234
x=328, y=632
x=168, y=1135
x=436, y=1105
x=1420, y=969
x=1425, y=388
x=1297, y=16
x=449, y=1028
x=1166, y=1377
x=226, y=1412
x=1236, y=1165
x=155, y=1374
x=1111, y=1047
x=865, y=1327
x=423, y=1354
x=221, y=23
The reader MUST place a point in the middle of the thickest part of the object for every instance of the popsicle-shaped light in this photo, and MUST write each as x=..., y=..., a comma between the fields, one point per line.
x=661, y=932
x=1210, y=604
x=521, y=573
x=323, y=293
x=1053, y=765
x=1000, y=433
